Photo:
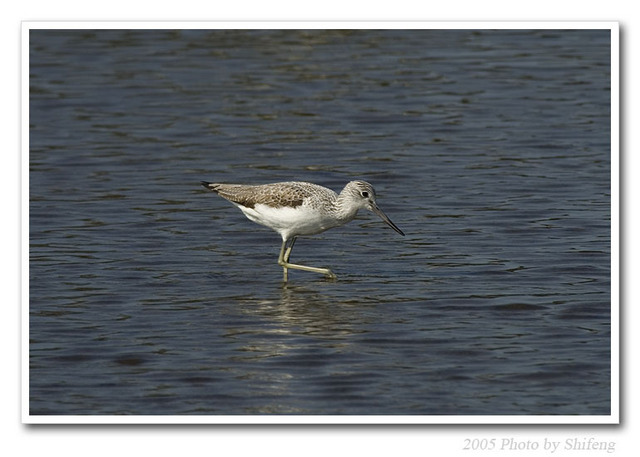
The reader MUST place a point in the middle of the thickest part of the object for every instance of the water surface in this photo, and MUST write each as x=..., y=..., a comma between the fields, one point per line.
x=489, y=149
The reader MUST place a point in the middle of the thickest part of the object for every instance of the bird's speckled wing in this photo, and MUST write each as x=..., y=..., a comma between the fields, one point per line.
x=277, y=195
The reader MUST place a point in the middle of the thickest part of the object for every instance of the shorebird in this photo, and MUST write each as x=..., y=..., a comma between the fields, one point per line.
x=300, y=208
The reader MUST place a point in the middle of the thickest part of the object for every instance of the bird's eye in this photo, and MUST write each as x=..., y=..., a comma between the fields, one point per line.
x=365, y=194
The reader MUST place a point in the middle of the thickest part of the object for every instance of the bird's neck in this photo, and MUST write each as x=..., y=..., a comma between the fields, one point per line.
x=344, y=209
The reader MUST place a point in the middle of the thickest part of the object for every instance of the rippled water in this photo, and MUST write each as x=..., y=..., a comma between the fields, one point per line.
x=489, y=149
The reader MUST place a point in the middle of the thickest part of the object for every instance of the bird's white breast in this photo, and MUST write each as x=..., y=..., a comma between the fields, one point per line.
x=288, y=221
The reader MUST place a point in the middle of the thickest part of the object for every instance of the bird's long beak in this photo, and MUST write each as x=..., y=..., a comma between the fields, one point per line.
x=384, y=217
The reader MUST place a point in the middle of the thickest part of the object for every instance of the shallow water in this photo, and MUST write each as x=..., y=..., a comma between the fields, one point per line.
x=489, y=149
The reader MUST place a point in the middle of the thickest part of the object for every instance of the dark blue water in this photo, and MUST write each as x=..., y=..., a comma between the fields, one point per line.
x=489, y=149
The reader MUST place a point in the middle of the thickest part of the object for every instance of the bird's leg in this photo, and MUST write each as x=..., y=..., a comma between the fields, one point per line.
x=287, y=253
x=283, y=261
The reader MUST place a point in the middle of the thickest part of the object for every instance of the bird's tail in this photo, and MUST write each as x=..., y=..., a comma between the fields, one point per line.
x=209, y=185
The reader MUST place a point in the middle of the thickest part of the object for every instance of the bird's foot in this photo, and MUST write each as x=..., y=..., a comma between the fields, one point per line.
x=330, y=275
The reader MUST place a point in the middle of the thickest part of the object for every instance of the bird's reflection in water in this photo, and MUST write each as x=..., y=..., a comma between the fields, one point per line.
x=304, y=320
x=304, y=310
x=305, y=337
